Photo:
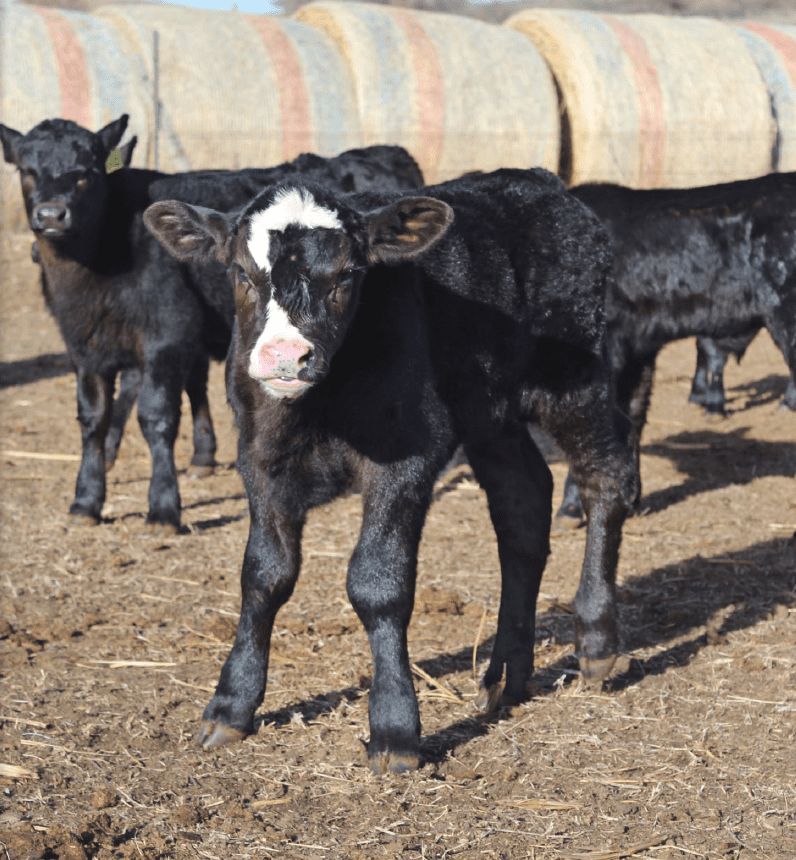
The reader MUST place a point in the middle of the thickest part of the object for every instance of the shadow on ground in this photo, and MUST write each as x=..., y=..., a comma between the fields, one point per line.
x=29, y=370
x=677, y=611
x=714, y=460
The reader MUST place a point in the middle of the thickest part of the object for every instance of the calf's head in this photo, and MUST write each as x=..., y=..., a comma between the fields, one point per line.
x=63, y=174
x=298, y=256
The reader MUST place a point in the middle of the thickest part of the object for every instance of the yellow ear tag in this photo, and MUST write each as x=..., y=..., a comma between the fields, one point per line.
x=114, y=161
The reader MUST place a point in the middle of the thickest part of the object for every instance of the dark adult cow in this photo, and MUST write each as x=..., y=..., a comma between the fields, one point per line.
x=718, y=261
x=124, y=306
x=374, y=334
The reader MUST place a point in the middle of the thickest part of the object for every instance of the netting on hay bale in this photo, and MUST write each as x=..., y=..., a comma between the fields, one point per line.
x=63, y=64
x=459, y=94
x=774, y=50
x=652, y=101
x=241, y=90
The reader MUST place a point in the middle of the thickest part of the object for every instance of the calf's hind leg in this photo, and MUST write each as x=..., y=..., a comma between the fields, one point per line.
x=204, y=437
x=519, y=489
x=159, y=419
x=129, y=386
x=603, y=467
x=94, y=404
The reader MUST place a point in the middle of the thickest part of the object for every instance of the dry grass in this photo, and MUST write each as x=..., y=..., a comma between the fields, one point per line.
x=111, y=642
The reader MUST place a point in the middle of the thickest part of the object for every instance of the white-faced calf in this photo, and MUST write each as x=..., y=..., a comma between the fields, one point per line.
x=374, y=334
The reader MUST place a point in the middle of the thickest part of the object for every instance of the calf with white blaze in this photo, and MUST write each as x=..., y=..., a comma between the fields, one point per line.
x=376, y=332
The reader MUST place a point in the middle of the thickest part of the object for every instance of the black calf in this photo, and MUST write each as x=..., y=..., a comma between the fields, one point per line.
x=124, y=306
x=374, y=334
x=718, y=261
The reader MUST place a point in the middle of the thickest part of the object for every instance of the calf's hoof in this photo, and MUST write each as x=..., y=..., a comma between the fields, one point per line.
x=78, y=519
x=80, y=515
x=215, y=734
x=162, y=528
x=566, y=521
x=198, y=470
x=597, y=670
x=488, y=699
x=386, y=762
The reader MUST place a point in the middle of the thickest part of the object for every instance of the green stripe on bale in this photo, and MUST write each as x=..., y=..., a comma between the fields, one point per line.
x=651, y=101
x=459, y=94
x=774, y=50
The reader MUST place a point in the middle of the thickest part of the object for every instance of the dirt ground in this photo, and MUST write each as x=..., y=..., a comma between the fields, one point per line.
x=111, y=642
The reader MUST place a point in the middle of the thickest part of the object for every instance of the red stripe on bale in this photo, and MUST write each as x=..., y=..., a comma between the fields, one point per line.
x=782, y=44
x=652, y=119
x=294, y=102
x=72, y=70
x=430, y=89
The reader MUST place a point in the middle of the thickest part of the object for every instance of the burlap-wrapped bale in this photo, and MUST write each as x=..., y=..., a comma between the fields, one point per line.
x=241, y=90
x=774, y=50
x=652, y=101
x=459, y=94
x=63, y=64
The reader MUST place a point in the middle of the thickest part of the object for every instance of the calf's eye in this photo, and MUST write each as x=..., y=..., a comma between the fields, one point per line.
x=82, y=184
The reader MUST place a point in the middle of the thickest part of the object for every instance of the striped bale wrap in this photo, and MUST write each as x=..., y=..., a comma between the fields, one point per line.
x=651, y=101
x=241, y=90
x=459, y=94
x=63, y=64
x=774, y=50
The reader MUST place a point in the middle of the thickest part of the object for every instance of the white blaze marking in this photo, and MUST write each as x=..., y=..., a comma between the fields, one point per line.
x=277, y=328
x=290, y=206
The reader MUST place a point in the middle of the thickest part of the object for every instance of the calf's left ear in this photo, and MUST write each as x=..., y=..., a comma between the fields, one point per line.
x=406, y=228
x=192, y=234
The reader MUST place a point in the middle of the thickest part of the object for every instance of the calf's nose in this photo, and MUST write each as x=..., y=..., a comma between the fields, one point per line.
x=280, y=357
x=51, y=216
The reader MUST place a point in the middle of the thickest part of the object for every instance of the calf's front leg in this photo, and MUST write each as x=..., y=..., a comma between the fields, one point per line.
x=270, y=570
x=381, y=586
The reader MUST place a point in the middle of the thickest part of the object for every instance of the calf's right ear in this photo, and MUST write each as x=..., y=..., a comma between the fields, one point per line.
x=192, y=234
x=9, y=137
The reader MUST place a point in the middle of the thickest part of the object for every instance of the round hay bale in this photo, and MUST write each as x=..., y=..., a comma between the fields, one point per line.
x=63, y=64
x=652, y=101
x=459, y=94
x=241, y=90
x=774, y=50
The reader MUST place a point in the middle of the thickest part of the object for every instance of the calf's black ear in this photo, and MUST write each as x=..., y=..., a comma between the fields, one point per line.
x=126, y=151
x=112, y=133
x=9, y=137
x=192, y=234
x=406, y=228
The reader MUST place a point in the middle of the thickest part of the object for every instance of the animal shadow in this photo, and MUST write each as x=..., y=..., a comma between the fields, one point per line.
x=714, y=460
x=761, y=392
x=29, y=370
x=686, y=607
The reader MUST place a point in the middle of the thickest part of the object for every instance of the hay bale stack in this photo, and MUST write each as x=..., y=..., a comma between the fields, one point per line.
x=460, y=95
x=55, y=63
x=774, y=50
x=652, y=101
x=241, y=90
